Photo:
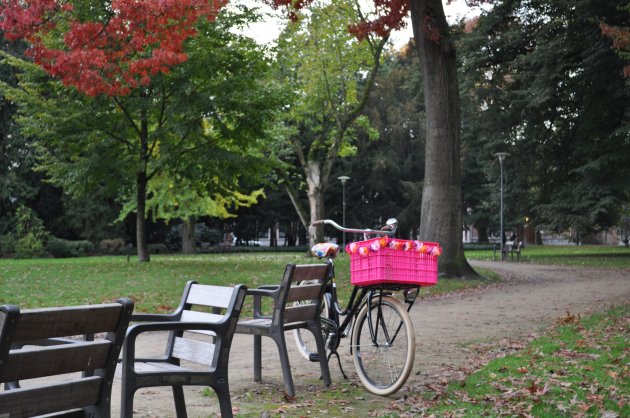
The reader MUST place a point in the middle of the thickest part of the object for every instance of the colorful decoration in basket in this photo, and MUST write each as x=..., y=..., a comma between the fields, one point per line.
x=376, y=244
x=326, y=249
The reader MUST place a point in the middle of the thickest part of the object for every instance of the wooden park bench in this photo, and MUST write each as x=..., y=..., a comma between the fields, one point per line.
x=46, y=343
x=200, y=333
x=510, y=249
x=293, y=307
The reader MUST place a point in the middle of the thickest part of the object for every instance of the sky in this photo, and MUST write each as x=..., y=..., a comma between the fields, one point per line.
x=268, y=31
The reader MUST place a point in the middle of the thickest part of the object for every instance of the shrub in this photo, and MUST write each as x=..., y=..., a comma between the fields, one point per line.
x=63, y=248
x=60, y=248
x=31, y=234
x=243, y=249
x=158, y=249
x=29, y=246
x=84, y=247
x=203, y=234
x=7, y=244
x=112, y=246
x=28, y=223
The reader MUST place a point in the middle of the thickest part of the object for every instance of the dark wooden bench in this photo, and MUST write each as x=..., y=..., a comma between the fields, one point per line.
x=510, y=249
x=38, y=343
x=293, y=307
x=200, y=331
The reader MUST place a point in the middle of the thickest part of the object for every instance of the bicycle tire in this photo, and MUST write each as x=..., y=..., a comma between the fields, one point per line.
x=304, y=339
x=383, y=368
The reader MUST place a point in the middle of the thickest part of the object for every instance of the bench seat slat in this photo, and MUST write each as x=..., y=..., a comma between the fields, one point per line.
x=36, y=324
x=156, y=367
x=192, y=350
x=304, y=292
x=195, y=316
x=30, y=363
x=299, y=313
x=308, y=272
x=28, y=402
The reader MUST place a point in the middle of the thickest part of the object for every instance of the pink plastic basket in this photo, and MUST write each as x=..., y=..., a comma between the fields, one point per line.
x=393, y=261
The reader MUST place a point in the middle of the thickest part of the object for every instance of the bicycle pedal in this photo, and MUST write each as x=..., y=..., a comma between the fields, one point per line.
x=314, y=357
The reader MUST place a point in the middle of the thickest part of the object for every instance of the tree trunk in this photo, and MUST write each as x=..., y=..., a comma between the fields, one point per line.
x=482, y=234
x=141, y=197
x=189, y=243
x=141, y=230
x=442, y=196
x=315, y=189
x=273, y=235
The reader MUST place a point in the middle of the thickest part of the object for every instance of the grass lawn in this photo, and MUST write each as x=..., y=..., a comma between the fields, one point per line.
x=155, y=286
x=599, y=256
x=579, y=369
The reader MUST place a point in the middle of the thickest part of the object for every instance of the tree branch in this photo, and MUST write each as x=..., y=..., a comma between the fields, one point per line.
x=293, y=195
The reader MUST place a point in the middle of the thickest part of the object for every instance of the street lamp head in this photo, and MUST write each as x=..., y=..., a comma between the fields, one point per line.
x=501, y=155
x=343, y=179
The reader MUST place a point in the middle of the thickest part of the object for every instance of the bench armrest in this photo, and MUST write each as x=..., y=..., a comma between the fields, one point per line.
x=257, y=294
x=149, y=317
x=268, y=287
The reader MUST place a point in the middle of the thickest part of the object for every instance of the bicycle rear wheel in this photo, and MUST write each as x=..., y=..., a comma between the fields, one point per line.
x=383, y=353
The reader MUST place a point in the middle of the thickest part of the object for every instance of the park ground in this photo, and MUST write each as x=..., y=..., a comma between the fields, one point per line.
x=456, y=334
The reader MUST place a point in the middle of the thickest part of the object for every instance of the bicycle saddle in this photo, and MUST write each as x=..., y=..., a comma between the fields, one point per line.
x=325, y=250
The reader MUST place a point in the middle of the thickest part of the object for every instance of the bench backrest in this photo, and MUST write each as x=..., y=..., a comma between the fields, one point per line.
x=303, y=302
x=35, y=343
x=206, y=303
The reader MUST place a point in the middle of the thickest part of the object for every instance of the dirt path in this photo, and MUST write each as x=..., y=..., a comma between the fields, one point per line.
x=531, y=299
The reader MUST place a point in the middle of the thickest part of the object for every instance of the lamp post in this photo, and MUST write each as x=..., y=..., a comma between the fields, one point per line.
x=343, y=180
x=501, y=156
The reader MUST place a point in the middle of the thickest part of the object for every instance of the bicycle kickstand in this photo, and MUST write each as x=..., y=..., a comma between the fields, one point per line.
x=338, y=361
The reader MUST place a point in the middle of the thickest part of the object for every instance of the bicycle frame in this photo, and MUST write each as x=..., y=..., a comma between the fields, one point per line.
x=358, y=297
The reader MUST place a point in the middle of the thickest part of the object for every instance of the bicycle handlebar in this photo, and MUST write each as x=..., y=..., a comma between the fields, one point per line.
x=388, y=229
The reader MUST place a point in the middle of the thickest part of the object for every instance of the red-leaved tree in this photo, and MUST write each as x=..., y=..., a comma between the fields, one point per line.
x=621, y=42
x=111, y=52
x=111, y=49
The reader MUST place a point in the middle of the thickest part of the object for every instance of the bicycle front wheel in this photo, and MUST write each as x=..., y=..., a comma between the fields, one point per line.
x=383, y=345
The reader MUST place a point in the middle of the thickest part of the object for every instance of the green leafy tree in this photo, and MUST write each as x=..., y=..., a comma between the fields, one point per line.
x=550, y=91
x=176, y=197
x=386, y=172
x=203, y=120
x=330, y=74
x=18, y=184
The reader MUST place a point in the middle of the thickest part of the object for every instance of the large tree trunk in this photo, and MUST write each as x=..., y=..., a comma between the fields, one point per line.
x=189, y=243
x=141, y=196
x=141, y=231
x=315, y=188
x=441, y=197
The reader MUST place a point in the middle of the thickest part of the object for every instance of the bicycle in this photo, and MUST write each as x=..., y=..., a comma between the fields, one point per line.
x=382, y=335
